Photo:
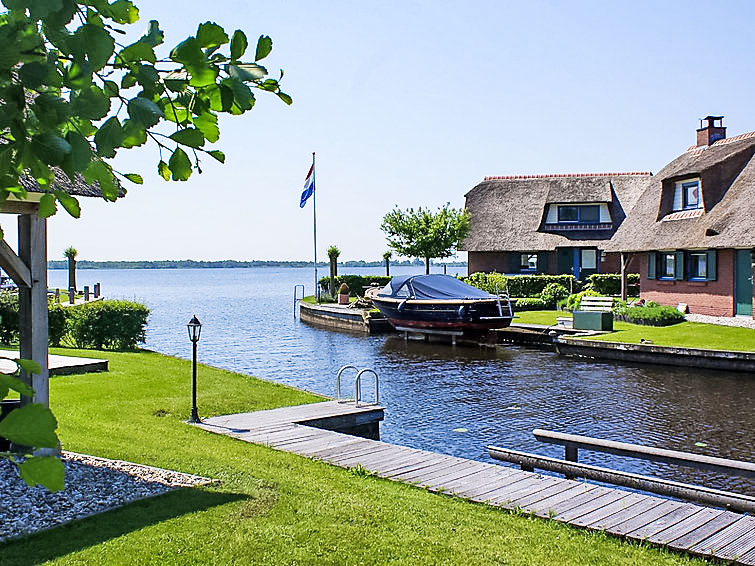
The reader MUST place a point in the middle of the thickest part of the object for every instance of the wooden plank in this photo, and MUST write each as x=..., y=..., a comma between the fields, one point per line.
x=425, y=461
x=568, y=503
x=684, y=511
x=443, y=483
x=455, y=466
x=509, y=497
x=365, y=459
x=741, y=545
x=484, y=490
x=13, y=265
x=589, y=506
x=544, y=506
x=672, y=532
x=716, y=543
x=704, y=531
x=644, y=505
x=297, y=437
x=555, y=489
x=440, y=464
x=748, y=558
x=605, y=511
x=659, y=511
x=475, y=487
x=339, y=445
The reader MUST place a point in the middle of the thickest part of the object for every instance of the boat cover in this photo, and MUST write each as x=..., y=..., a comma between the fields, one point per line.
x=435, y=286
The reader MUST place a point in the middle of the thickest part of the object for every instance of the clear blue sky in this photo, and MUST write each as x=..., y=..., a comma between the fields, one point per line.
x=412, y=103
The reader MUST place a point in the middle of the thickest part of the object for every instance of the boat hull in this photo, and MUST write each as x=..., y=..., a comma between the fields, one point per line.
x=463, y=315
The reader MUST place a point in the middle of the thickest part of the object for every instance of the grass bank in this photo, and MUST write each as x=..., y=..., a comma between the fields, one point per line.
x=684, y=334
x=272, y=507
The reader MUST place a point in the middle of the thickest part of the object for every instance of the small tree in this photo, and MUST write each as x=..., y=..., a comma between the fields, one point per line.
x=333, y=253
x=387, y=259
x=424, y=234
x=70, y=253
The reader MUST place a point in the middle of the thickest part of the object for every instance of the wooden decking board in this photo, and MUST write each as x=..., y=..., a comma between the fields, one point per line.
x=685, y=526
x=718, y=542
x=681, y=526
x=684, y=511
x=643, y=519
x=704, y=531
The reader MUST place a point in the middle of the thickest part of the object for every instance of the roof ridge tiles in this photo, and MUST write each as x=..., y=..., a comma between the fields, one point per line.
x=724, y=141
x=565, y=175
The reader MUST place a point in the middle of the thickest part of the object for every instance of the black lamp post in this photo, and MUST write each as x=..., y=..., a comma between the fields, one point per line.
x=195, y=329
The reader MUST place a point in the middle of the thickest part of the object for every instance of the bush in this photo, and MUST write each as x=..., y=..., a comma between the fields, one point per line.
x=108, y=324
x=57, y=322
x=573, y=301
x=355, y=283
x=610, y=284
x=553, y=293
x=519, y=285
x=9, y=314
x=652, y=314
x=528, y=304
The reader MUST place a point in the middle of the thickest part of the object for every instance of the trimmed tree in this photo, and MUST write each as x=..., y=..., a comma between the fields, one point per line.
x=333, y=253
x=70, y=254
x=387, y=259
x=422, y=233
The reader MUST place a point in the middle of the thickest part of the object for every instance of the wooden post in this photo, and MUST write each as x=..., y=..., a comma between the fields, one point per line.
x=96, y=290
x=32, y=304
x=86, y=293
x=57, y=295
x=71, y=295
x=626, y=259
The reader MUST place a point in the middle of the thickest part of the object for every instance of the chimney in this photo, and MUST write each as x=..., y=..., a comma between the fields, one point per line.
x=710, y=132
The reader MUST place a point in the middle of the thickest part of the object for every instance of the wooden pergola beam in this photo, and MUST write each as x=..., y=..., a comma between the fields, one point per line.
x=13, y=265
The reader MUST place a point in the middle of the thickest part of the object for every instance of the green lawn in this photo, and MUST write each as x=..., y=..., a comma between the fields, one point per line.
x=272, y=507
x=685, y=334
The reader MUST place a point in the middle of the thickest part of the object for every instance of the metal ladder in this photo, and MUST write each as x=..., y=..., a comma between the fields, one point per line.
x=357, y=385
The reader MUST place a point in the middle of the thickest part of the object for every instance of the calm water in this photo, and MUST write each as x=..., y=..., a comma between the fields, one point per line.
x=451, y=400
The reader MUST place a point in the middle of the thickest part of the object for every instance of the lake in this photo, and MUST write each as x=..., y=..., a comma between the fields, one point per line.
x=454, y=400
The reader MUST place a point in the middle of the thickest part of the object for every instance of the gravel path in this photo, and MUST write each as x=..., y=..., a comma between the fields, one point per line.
x=741, y=321
x=92, y=485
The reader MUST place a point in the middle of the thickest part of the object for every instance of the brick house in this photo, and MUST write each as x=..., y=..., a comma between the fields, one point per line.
x=552, y=224
x=693, y=227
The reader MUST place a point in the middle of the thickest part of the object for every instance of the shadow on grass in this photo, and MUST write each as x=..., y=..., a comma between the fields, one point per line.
x=83, y=533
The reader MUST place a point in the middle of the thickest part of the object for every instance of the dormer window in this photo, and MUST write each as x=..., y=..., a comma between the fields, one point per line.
x=580, y=214
x=687, y=195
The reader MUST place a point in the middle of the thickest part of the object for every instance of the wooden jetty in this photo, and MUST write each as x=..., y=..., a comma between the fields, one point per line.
x=58, y=365
x=313, y=431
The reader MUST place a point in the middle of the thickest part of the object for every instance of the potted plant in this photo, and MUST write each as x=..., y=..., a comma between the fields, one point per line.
x=343, y=294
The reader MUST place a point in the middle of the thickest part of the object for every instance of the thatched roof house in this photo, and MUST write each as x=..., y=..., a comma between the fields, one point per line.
x=693, y=227
x=550, y=216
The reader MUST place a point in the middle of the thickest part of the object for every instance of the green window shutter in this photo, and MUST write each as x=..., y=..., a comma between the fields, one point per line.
x=712, y=265
x=679, y=266
x=515, y=259
x=652, y=258
x=542, y=263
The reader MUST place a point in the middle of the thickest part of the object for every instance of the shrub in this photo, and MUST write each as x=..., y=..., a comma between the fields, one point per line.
x=108, y=324
x=57, y=322
x=553, y=293
x=356, y=283
x=573, y=301
x=343, y=289
x=610, y=284
x=528, y=304
x=652, y=314
x=519, y=285
x=9, y=314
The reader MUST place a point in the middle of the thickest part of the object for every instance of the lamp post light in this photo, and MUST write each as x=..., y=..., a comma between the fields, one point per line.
x=195, y=330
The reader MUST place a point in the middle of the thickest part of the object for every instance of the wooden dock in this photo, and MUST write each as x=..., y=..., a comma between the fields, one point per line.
x=685, y=527
x=58, y=365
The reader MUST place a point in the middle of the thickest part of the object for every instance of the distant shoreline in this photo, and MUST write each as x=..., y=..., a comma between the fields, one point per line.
x=225, y=264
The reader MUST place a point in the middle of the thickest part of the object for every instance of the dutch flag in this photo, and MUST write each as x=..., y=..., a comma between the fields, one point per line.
x=309, y=186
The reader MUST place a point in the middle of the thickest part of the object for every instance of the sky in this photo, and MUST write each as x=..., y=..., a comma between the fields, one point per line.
x=411, y=103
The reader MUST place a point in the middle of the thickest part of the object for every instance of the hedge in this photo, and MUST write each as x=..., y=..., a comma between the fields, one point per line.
x=528, y=304
x=652, y=314
x=520, y=285
x=610, y=284
x=355, y=283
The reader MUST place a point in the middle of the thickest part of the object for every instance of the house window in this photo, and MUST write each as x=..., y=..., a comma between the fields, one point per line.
x=589, y=259
x=583, y=214
x=667, y=267
x=528, y=262
x=687, y=195
x=698, y=265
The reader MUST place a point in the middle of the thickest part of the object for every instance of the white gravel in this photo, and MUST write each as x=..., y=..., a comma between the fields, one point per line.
x=741, y=321
x=92, y=485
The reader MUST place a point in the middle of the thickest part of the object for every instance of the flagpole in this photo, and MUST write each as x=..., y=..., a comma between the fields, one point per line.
x=314, y=222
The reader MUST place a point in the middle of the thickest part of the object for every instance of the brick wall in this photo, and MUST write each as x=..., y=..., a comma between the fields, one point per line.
x=715, y=298
x=487, y=262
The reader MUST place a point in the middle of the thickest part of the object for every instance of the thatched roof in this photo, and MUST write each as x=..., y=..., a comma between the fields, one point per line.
x=78, y=188
x=508, y=213
x=727, y=220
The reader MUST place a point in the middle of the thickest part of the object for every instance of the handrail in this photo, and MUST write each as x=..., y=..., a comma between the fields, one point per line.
x=338, y=382
x=295, y=297
x=573, y=442
x=358, y=386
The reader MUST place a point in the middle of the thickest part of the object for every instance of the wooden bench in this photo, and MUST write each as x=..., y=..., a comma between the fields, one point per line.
x=594, y=314
x=596, y=304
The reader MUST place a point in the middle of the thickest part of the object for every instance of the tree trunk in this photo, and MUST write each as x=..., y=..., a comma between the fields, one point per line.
x=333, y=271
x=387, y=267
x=427, y=266
x=626, y=259
x=71, y=273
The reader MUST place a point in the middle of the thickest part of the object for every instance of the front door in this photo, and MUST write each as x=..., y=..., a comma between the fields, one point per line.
x=743, y=283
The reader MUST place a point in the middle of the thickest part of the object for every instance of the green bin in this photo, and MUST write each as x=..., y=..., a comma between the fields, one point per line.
x=593, y=320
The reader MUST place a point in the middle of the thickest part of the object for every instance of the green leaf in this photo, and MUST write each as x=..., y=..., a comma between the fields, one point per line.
x=43, y=8
x=207, y=123
x=81, y=153
x=210, y=34
x=239, y=44
x=217, y=154
x=264, y=47
x=50, y=148
x=29, y=366
x=179, y=165
x=33, y=74
x=134, y=178
x=111, y=89
x=70, y=204
x=144, y=111
x=242, y=96
x=163, y=170
x=10, y=382
x=285, y=98
x=47, y=206
x=109, y=137
x=123, y=12
x=190, y=54
x=189, y=136
x=91, y=103
x=46, y=470
x=50, y=110
x=246, y=71
x=138, y=51
x=100, y=172
x=30, y=425
x=98, y=43
x=134, y=134
x=153, y=36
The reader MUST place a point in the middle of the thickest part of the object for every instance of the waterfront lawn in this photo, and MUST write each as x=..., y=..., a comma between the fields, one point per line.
x=548, y=318
x=271, y=507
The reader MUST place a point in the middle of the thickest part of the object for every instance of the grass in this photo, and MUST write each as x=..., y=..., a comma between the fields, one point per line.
x=684, y=334
x=271, y=507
